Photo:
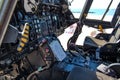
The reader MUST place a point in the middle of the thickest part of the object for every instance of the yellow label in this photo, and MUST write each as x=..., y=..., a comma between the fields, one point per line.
x=19, y=49
x=27, y=27
x=26, y=31
x=24, y=40
x=25, y=35
x=22, y=44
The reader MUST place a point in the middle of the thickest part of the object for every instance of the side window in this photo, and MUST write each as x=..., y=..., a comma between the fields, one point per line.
x=111, y=10
x=76, y=7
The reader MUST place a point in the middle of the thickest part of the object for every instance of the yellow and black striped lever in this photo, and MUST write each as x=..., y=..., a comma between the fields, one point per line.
x=24, y=38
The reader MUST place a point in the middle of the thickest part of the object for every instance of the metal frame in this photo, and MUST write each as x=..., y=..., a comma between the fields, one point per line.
x=5, y=16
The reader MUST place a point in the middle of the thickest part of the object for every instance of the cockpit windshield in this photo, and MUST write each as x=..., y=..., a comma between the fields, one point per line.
x=97, y=9
x=76, y=7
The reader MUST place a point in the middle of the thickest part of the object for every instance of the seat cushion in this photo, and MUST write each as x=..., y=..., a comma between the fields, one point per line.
x=91, y=42
x=98, y=41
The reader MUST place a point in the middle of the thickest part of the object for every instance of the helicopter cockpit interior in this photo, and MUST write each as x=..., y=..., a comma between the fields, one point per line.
x=31, y=50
